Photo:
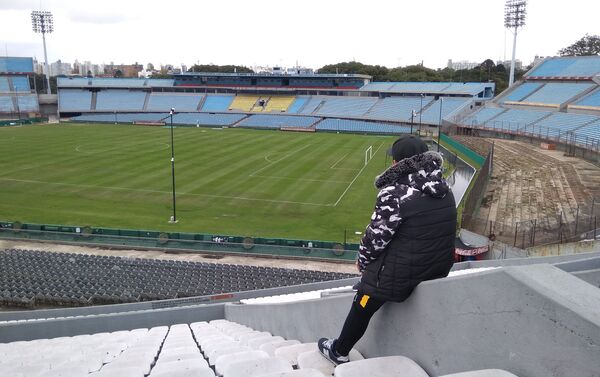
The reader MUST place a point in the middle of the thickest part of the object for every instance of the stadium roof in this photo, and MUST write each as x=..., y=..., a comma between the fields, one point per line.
x=319, y=75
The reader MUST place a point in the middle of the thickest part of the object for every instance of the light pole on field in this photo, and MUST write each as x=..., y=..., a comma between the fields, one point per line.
x=17, y=101
x=515, y=12
x=173, y=219
x=43, y=22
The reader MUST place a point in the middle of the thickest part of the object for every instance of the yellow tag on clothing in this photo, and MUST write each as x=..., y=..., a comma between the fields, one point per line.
x=364, y=300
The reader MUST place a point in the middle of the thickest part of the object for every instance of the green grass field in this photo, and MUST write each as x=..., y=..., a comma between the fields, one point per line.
x=231, y=181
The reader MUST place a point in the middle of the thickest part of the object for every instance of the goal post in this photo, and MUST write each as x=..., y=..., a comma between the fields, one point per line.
x=368, y=154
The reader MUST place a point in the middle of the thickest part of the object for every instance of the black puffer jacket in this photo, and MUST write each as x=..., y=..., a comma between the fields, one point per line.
x=411, y=235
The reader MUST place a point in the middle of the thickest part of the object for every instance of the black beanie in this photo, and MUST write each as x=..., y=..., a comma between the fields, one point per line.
x=408, y=146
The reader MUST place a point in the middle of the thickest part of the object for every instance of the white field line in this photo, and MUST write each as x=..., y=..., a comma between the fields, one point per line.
x=356, y=177
x=163, y=192
x=338, y=161
x=278, y=160
x=298, y=179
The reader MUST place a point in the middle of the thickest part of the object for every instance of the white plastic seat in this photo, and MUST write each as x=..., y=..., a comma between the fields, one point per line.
x=314, y=360
x=192, y=364
x=185, y=373
x=381, y=367
x=66, y=371
x=482, y=373
x=119, y=372
x=270, y=347
x=256, y=367
x=256, y=343
x=202, y=340
x=245, y=337
x=295, y=373
x=291, y=353
x=179, y=350
x=180, y=356
x=224, y=361
x=208, y=348
x=214, y=355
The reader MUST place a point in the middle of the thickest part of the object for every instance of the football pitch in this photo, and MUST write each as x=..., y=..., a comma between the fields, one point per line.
x=228, y=181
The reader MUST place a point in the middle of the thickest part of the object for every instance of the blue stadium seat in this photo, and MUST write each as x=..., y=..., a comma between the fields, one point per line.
x=557, y=93
x=398, y=108
x=431, y=115
x=9, y=64
x=592, y=100
x=346, y=125
x=4, y=88
x=74, y=100
x=516, y=119
x=278, y=121
x=297, y=105
x=217, y=103
x=522, y=91
x=121, y=118
x=28, y=103
x=120, y=100
x=179, y=101
x=346, y=106
x=6, y=104
x=21, y=83
x=558, y=123
x=160, y=82
x=75, y=82
x=204, y=119
x=482, y=116
x=312, y=104
x=576, y=66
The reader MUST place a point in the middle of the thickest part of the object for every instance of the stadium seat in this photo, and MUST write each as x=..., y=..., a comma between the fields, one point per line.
x=314, y=360
x=295, y=373
x=214, y=354
x=482, y=373
x=381, y=367
x=272, y=346
x=224, y=361
x=257, y=367
x=291, y=353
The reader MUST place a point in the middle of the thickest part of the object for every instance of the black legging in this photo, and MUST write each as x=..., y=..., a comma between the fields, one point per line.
x=362, y=309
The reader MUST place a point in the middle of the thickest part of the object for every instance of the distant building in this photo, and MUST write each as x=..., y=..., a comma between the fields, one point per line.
x=58, y=68
x=127, y=70
x=506, y=64
x=463, y=64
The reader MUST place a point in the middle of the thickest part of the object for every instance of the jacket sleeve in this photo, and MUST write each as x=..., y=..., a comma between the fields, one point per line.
x=384, y=223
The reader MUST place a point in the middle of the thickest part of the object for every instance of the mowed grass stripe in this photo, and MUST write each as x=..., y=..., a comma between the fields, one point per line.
x=122, y=181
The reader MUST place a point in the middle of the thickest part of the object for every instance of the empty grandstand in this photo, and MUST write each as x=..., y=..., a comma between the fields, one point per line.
x=17, y=99
x=558, y=100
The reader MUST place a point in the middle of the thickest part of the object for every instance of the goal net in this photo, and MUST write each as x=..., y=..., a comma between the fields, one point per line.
x=368, y=154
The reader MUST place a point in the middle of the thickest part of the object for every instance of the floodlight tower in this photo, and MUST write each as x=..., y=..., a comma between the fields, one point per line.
x=43, y=22
x=515, y=12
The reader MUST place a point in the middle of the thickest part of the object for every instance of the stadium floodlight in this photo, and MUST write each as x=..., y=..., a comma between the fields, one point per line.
x=515, y=12
x=43, y=22
x=173, y=219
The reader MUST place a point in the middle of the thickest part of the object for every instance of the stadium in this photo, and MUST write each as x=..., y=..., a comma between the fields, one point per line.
x=207, y=224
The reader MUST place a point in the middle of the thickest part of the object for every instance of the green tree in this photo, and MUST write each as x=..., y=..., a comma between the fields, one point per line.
x=378, y=72
x=587, y=46
x=118, y=73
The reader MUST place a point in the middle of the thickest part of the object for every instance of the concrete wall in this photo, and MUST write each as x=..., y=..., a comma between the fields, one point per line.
x=535, y=321
x=566, y=248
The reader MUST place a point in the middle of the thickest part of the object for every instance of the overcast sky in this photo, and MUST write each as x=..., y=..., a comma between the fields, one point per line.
x=280, y=32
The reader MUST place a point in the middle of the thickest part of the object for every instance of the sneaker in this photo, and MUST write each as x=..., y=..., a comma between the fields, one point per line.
x=326, y=347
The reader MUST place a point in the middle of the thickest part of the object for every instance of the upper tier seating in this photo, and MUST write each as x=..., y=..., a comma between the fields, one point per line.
x=398, y=108
x=591, y=100
x=217, y=103
x=589, y=131
x=278, y=121
x=112, y=99
x=28, y=103
x=13, y=64
x=522, y=91
x=6, y=104
x=575, y=66
x=74, y=100
x=346, y=125
x=346, y=106
x=279, y=103
x=79, y=279
x=159, y=82
x=179, y=101
x=431, y=115
x=243, y=102
x=556, y=93
x=297, y=104
x=203, y=119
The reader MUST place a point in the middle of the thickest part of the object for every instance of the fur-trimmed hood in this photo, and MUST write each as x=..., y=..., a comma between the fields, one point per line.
x=422, y=172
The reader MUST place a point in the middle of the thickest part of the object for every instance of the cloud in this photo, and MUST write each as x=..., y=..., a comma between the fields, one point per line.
x=19, y=4
x=99, y=17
